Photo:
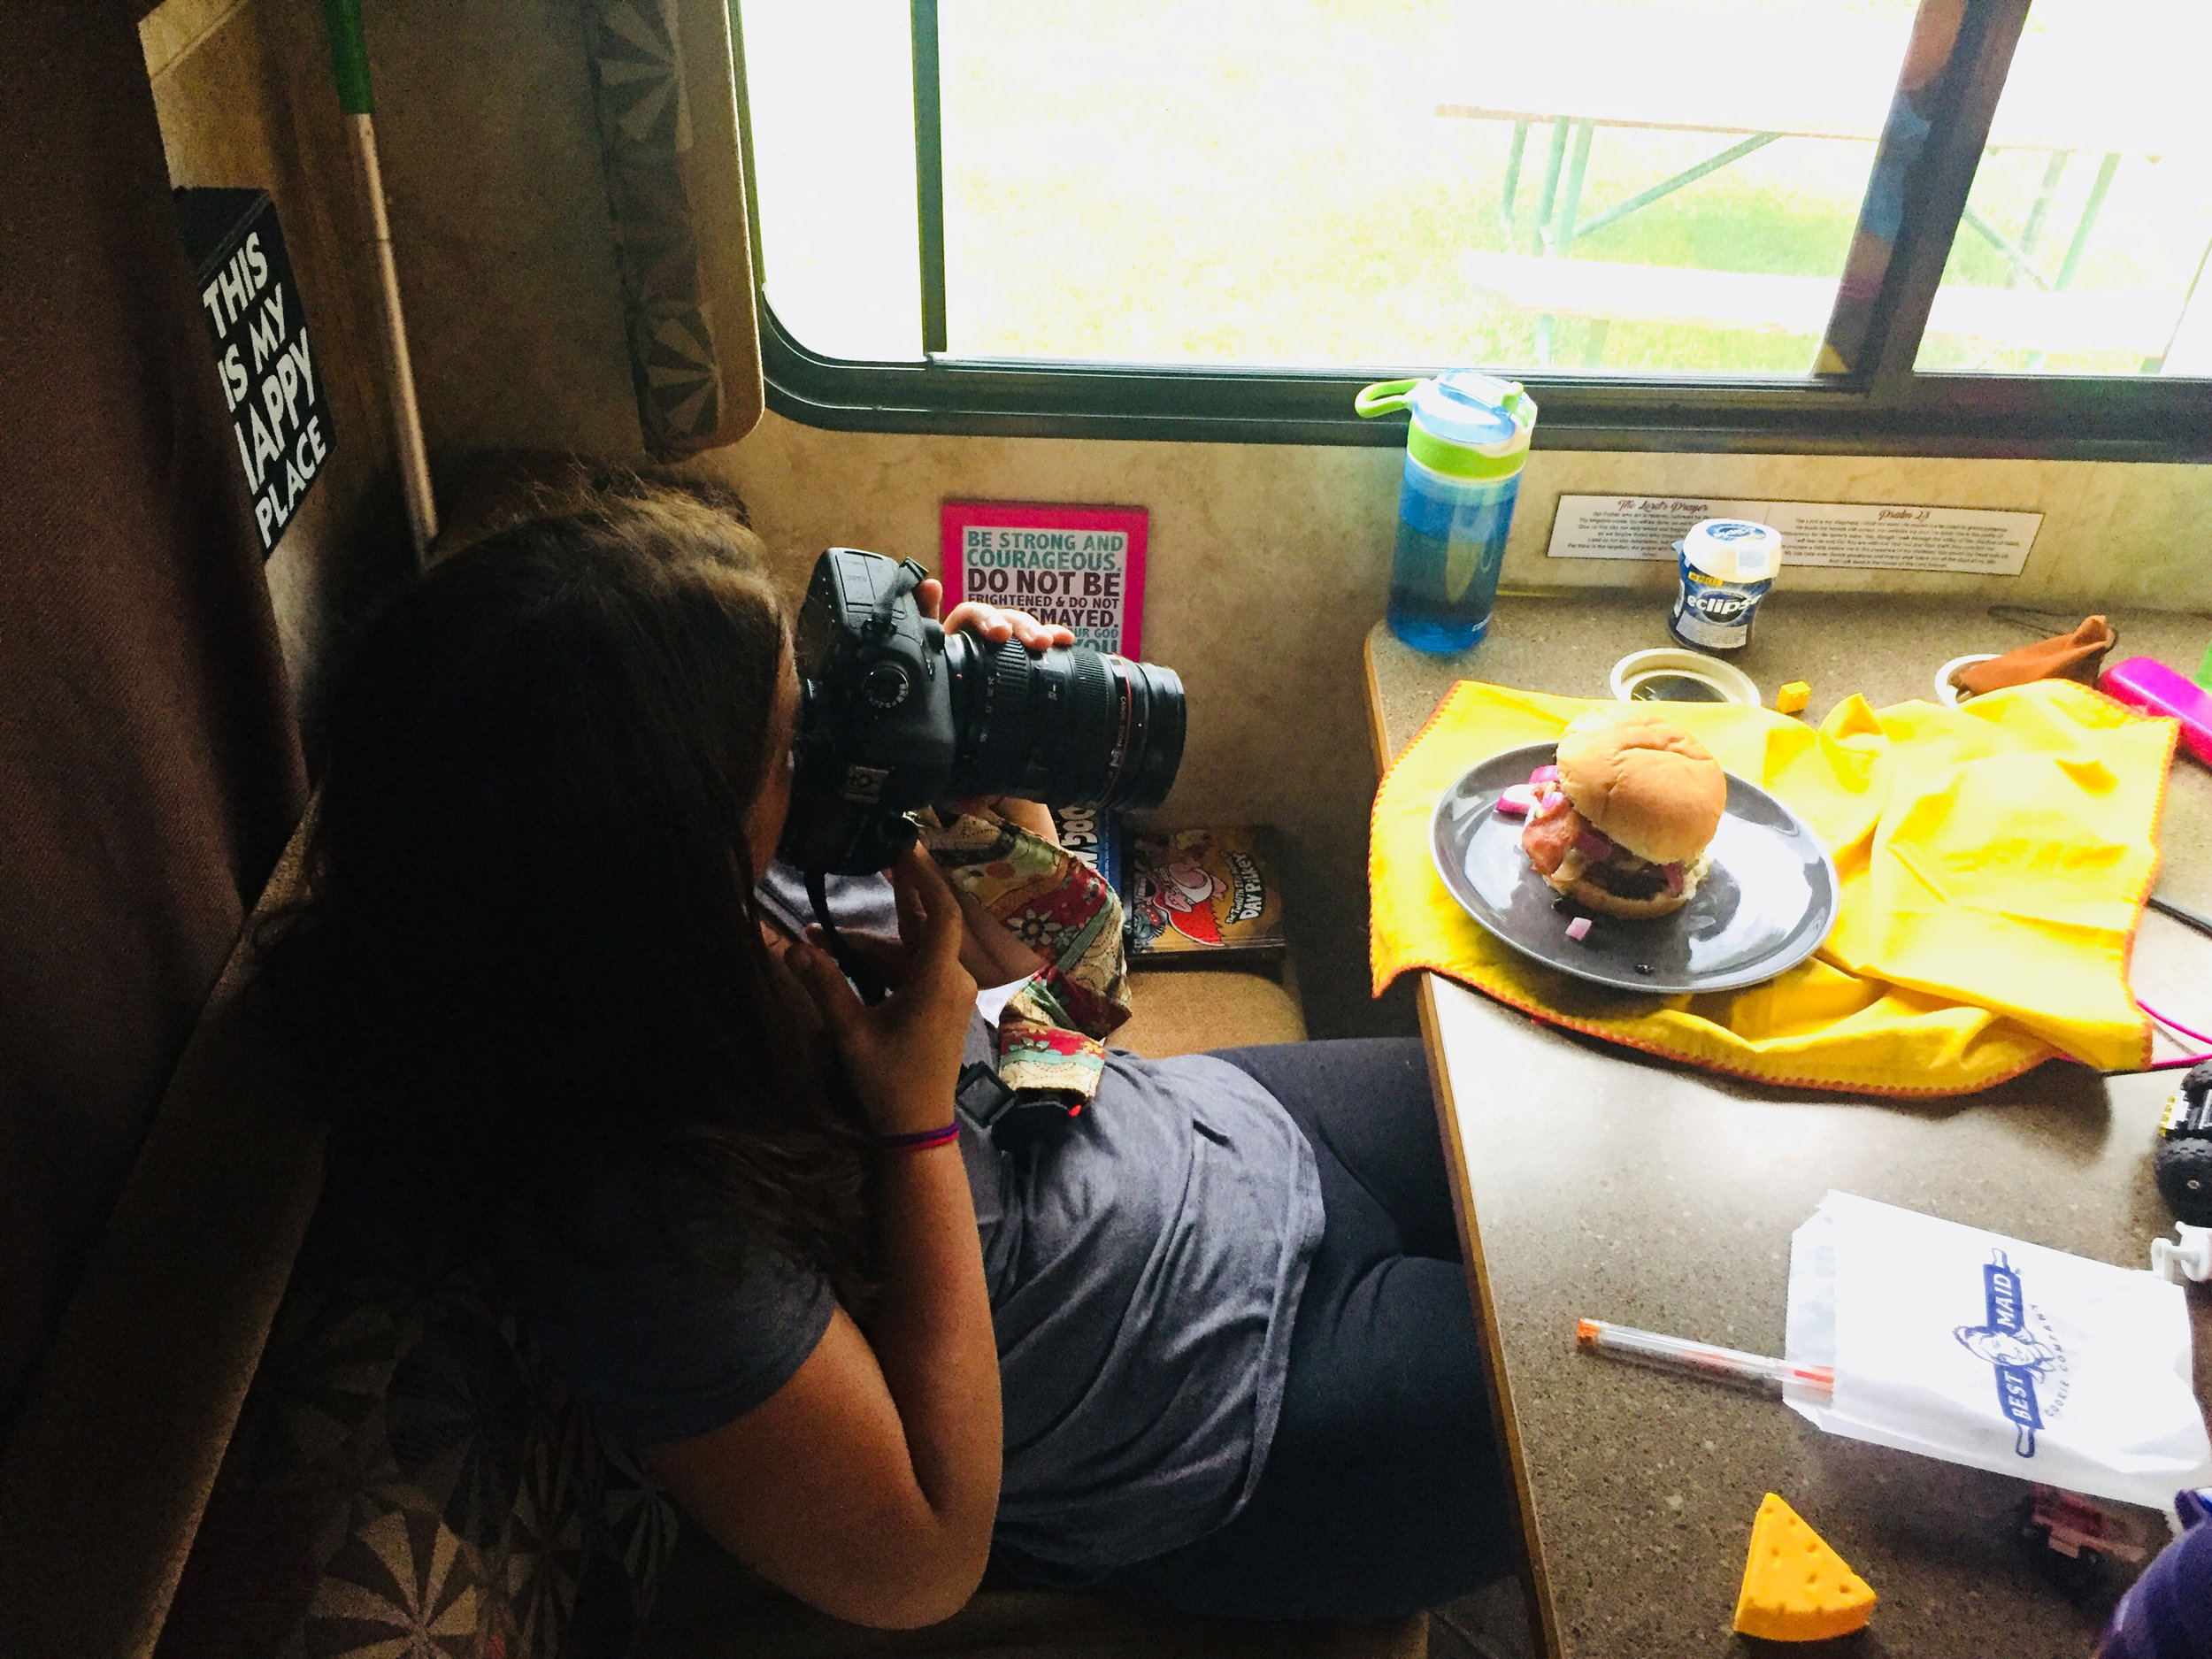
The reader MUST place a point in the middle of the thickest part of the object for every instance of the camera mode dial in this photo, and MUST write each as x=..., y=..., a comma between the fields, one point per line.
x=886, y=686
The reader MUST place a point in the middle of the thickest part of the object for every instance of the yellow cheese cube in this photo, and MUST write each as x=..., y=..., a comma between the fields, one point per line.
x=1795, y=1588
x=1792, y=698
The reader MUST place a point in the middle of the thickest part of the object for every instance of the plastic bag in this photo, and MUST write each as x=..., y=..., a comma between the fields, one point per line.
x=1983, y=1350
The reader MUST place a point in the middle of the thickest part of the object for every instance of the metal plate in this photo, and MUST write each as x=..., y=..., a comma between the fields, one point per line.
x=1765, y=905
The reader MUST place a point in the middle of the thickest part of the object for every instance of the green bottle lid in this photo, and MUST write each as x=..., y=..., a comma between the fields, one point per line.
x=1466, y=424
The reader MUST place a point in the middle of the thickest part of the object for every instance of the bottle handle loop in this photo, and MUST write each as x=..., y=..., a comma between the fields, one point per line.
x=1384, y=397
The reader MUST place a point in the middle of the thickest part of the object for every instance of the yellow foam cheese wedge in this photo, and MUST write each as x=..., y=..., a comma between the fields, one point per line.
x=1795, y=1588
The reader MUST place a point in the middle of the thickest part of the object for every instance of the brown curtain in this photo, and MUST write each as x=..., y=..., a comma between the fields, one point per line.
x=665, y=76
x=150, y=765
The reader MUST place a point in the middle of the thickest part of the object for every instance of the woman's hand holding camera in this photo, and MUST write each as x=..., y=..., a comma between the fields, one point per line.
x=903, y=1055
x=994, y=622
x=867, y=1484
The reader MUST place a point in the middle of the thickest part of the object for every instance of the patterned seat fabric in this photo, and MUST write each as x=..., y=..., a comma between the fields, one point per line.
x=407, y=1478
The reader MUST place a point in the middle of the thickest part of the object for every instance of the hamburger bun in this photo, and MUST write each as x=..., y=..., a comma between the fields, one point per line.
x=1646, y=785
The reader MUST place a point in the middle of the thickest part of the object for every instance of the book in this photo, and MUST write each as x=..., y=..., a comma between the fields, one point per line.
x=1202, y=895
x=1098, y=838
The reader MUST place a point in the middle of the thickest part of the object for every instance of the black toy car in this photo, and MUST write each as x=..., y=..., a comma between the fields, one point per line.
x=2182, y=1164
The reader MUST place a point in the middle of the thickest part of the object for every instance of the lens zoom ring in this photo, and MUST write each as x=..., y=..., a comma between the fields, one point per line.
x=1004, y=716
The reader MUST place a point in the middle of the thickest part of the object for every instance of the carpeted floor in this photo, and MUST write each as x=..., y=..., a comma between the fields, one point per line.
x=1492, y=1624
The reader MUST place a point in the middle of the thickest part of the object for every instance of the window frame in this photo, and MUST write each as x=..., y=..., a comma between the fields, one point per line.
x=1881, y=406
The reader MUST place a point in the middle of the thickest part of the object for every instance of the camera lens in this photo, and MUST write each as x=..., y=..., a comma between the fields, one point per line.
x=1154, y=751
x=1069, y=725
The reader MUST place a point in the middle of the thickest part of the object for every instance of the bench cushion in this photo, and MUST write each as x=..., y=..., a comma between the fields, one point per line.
x=1190, y=1010
x=407, y=1478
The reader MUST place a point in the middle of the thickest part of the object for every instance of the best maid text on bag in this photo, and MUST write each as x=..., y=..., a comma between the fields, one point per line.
x=1465, y=446
x=1983, y=1350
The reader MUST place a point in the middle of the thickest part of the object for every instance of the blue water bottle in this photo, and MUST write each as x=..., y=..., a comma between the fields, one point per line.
x=1465, y=446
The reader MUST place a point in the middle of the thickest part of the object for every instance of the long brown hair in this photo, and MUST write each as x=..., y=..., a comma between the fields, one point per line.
x=529, y=945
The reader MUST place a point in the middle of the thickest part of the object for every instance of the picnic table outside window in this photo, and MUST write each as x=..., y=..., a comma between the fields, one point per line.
x=1576, y=69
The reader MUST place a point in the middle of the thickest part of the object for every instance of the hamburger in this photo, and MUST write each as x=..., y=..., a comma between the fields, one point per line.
x=1620, y=821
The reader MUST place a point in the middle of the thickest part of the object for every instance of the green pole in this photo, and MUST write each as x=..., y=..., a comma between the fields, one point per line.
x=348, y=56
x=349, y=68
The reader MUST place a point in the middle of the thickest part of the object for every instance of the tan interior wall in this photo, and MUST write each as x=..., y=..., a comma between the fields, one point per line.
x=1258, y=590
x=2112, y=533
x=1268, y=563
x=245, y=93
x=498, y=203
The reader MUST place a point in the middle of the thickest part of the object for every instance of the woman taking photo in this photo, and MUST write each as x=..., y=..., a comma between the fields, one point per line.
x=1208, y=1344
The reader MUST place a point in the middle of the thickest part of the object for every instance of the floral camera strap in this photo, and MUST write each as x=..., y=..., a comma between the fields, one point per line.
x=1051, y=1031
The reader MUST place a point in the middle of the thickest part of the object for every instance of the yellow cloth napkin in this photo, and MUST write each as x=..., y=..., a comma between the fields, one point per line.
x=1993, y=857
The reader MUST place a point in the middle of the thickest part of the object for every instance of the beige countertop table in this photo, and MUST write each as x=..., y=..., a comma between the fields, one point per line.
x=1595, y=1182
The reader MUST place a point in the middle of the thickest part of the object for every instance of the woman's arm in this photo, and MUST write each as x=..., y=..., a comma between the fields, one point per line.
x=867, y=1484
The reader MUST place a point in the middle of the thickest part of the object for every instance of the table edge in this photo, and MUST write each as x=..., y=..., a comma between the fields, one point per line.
x=1535, y=1581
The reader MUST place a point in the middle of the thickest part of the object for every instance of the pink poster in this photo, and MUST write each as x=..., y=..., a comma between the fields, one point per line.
x=1079, y=566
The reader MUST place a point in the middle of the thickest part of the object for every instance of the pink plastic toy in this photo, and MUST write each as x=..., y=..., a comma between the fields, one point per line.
x=2142, y=683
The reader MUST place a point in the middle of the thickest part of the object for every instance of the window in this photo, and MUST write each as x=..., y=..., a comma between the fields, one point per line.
x=1954, y=226
x=2085, y=237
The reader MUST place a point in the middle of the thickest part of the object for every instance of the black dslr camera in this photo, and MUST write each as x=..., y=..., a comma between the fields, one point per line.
x=895, y=714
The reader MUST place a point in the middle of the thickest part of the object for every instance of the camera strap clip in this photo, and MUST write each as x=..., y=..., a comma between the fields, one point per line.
x=1012, y=1117
x=865, y=979
x=883, y=618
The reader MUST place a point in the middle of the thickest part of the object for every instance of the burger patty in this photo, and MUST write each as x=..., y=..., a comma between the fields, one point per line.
x=1645, y=883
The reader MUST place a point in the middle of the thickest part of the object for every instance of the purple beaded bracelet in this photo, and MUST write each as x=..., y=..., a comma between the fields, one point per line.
x=921, y=1141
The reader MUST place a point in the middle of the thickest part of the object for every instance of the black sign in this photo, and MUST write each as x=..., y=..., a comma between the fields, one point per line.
x=279, y=406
